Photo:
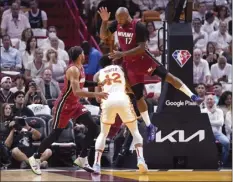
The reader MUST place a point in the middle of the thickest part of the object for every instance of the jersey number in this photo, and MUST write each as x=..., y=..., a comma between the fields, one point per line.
x=128, y=40
x=113, y=78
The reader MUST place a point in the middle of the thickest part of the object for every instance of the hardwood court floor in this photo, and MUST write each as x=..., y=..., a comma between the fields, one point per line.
x=118, y=175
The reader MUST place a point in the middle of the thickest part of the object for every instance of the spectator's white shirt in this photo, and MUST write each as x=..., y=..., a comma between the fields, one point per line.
x=209, y=28
x=226, y=20
x=62, y=55
x=217, y=73
x=27, y=58
x=216, y=118
x=35, y=73
x=43, y=14
x=228, y=124
x=222, y=41
x=200, y=71
x=201, y=43
x=15, y=89
x=40, y=109
x=45, y=44
x=8, y=11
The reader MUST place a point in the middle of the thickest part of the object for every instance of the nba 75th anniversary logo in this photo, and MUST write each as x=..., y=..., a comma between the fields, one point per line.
x=181, y=57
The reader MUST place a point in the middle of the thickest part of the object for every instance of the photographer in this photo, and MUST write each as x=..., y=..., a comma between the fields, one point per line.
x=20, y=140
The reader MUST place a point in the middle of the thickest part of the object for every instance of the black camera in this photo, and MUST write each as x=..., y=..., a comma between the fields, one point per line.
x=19, y=123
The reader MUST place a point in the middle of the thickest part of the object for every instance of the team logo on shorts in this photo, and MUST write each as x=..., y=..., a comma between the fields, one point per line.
x=181, y=57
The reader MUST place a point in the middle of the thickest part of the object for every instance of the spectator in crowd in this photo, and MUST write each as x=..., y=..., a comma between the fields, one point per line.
x=33, y=91
x=4, y=132
x=225, y=102
x=217, y=88
x=228, y=124
x=93, y=56
x=19, y=109
x=38, y=108
x=52, y=32
x=57, y=66
x=221, y=37
x=133, y=8
x=20, y=84
x=26, y=35
x=211, y=56
x=14, y=23
x=201, y=71
x=153, y=44
x=6, y=96
x=34, y=69
x=216, y=118
x=221, y=71
x=8, y=11
x=37, y=18
x=10, y=57
x=49, y=87
x=210, y=24
x=29, y=52
x=200, y=38
x=201, y=92
x=201, y=12
x=20, y=140
x=223, y=14
x=150, y=4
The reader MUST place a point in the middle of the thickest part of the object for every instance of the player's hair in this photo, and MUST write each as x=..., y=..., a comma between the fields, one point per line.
x=105, y=61
x=75, y=52
x=217, y=83
x=200, y=84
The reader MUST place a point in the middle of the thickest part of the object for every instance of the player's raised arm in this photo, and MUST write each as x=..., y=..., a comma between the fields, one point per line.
x=72, y=74
x=104, y=31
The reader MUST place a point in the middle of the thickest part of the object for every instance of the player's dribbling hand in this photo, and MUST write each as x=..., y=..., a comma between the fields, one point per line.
x=104, y=14
x=101, y=95
x=115, y=55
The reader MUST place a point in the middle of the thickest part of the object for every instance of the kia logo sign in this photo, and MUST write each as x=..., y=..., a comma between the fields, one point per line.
x=200, y=134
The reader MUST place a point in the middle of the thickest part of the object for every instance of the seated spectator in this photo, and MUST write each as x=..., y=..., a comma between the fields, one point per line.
x=20, y=84
x=221, y=37
x=225, y=102
x=37, y=18
x=62, y=54
x=93, y=57
x=57, y=66
x=223, y=14
x=10, y=57
x=148, y=5
x=8, y=11
x=20, y=140
x=217, y=88
x=211, y=56
x=33, y=91
x=201, y=92
x=26, y=35
x=200, y=13
x=210, y=24
x=153, y=44
x=6, y=96
x=200, y=38
x=221, y=72
x=216, y=118
x=14, y=23
x=19, y=109
x=34, y=69
x=201, y=71
x=28, y=54
x=228, y=124
x=38, y=108
x=49, y=87
x=45, y=44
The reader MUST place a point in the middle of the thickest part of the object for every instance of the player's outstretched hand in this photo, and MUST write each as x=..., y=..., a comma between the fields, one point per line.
x=101, y=95
x=115, y=55
x=104, y=14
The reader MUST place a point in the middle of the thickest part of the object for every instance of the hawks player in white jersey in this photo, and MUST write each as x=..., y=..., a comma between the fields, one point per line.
x=118, y=102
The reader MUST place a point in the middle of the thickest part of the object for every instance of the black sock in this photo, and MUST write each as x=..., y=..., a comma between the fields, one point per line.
x=84, y=153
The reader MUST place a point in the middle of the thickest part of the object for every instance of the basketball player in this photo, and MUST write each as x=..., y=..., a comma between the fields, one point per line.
x=137, y=60
x=68, y=107
x=118, y=102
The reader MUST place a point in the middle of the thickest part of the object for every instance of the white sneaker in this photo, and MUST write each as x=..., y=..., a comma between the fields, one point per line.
x=83, y=163
x=142, y=165
x=35, y=165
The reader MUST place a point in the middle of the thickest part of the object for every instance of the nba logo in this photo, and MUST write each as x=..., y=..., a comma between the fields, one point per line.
x=181, y=57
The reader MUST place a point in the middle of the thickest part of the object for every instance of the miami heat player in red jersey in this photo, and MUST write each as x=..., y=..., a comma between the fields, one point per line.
x=68, y=107
x=137, y=59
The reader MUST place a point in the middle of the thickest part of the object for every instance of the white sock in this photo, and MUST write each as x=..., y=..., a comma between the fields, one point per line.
x=98, y=156
x=186, y=90
x=145, y=117
x=139, y=151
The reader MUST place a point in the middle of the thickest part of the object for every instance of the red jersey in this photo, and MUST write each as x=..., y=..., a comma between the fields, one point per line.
x=67, y=94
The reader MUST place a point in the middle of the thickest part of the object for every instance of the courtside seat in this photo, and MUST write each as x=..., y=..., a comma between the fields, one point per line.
x=38, y=124
x=46, y=118
x=66, y=139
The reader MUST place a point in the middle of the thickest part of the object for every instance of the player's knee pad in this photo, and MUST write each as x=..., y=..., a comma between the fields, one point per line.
x=138, y=90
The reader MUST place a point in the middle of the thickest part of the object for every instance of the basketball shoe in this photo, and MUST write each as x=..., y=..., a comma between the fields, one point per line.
x=83, y=163
x=35, y=165
x=97, y=169
x=151, y=131
x=142, y=165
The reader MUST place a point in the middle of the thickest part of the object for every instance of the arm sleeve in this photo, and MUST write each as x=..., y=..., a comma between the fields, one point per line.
x=142, y=34
x=112, y=27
